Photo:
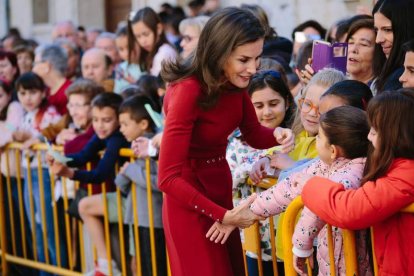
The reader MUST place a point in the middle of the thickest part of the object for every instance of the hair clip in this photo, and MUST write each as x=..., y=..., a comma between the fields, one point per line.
x=131, y=15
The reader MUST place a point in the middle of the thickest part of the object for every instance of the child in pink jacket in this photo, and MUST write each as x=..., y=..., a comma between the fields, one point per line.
x=342, y=146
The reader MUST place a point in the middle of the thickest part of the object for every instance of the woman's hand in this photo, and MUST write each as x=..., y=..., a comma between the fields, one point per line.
x=241, y=216
x=219, y=232
x=258, y=169
x=286, y=138
x=306, y=74
x=299, y=264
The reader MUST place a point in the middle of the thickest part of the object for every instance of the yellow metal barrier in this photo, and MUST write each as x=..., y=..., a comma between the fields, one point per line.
x=9, y=255
x=288, y=227
x=252, y=237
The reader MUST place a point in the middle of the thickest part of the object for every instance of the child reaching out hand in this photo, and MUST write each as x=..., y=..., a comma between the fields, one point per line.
x=342, y=145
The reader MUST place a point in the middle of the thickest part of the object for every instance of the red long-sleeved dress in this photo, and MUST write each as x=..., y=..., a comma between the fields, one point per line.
x=196, y=179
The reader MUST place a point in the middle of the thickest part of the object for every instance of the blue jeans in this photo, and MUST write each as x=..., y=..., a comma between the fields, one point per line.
x=40, y=228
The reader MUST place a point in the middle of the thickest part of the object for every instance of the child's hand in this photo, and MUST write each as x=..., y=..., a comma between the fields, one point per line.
x=286, y=138
x=241, y=216
x=65, y=135
x=60, y=169
x=140, y=147
x=257, y=172
x=29, y=143
x=49, y=159
x=123, y=168
x=299, y=264
x=281, y=161
x=21, y=135
x=219, y=232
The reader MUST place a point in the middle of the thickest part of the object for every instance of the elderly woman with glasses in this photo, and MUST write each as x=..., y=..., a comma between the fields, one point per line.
x=190, y=30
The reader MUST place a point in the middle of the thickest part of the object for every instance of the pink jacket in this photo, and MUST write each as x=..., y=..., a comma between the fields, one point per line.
x=276, y=199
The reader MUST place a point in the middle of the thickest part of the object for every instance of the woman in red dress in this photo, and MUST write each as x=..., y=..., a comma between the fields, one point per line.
x=205, y=102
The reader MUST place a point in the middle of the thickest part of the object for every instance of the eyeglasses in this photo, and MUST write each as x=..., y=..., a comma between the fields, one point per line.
x=76, y=106
x=306, y=106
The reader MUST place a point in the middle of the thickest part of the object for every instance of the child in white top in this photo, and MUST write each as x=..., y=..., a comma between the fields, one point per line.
x=128, y=71
x=145, y=26
x=31, y=92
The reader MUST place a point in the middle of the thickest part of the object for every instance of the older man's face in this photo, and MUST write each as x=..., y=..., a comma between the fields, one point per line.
x=65, y=31
x=93, y=66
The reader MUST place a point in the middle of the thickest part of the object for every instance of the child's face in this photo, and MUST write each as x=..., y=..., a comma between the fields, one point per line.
x=145, y=36
x=130, y=128
x=122, y=46
x=270, y=107
x=309, y=113
x=80, y=110
x=325, y=150
x=25, y=62
x=104, y=121
x=373, y=137
x=30, y=98
x=4, y=99
x=407, y=78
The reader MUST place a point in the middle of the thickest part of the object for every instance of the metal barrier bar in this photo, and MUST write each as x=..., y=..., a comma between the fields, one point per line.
x=11, y=212
x=106, y=227
x=55, y=221
x=350, y=252
x=32, y=213
x=331, y=251
x=135, y=226
x=41, y=266
x=151, y=217
x=288, y=227
x=21, y=201
x=67, y=224
x=121, y=232
x=273, y=242
x=3, y=238
x=80, y=232
x=42, y=206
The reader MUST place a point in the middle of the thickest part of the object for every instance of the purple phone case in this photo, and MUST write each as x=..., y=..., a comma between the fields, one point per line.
x=324, y=56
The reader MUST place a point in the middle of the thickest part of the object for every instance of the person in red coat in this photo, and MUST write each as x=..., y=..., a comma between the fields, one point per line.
x=388, y=186
x=205, y=102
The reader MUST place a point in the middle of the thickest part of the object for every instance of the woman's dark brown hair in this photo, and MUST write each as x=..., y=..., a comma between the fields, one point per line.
x=224, y=32
x=347, y=127
x=391, y=116
x=151, y=19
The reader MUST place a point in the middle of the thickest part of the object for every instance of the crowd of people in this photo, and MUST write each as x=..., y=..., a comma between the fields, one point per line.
x=213, y=99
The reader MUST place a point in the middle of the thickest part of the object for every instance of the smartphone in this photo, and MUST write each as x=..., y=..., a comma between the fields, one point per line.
x=327, y=55
x=301, y=37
